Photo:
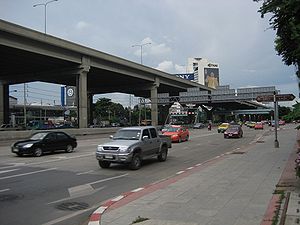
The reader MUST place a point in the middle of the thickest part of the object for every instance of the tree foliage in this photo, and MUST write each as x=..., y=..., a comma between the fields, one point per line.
x=285, y=20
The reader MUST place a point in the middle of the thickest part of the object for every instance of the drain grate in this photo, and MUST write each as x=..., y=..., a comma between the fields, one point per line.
x=260, y=141
x=73, y=206
x=4, y=198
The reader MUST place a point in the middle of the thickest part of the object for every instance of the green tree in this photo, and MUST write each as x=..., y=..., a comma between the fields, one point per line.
x=283, y=110
x=285, y=20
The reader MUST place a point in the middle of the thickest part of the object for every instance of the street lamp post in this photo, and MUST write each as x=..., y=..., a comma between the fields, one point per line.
x=141, y=46
x=45, y=13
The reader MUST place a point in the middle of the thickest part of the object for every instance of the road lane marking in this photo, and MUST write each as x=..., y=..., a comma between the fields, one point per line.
x=3, y=190
x=25, y=174
x=77, y=196
x=180, y=172
x=107, y=179
x=190, y=168
x=87, y=172
x=7, y=171
x=80, y=190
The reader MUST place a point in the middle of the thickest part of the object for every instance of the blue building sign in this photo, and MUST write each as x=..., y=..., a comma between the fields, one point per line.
x=187, y=76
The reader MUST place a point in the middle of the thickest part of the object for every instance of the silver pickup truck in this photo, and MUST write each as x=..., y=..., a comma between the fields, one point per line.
x=132, y=145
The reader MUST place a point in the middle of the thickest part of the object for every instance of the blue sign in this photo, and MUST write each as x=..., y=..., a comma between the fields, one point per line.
x=187, y=76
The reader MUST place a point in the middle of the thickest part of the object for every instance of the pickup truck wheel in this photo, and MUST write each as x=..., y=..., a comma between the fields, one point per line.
x=104, y=164
x=163, y=154
x=136, y=162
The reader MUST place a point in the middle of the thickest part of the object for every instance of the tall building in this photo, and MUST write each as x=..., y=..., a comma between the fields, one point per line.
x=205, y=72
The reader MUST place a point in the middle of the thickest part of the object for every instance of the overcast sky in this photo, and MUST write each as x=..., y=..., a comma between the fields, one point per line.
x=230, y=33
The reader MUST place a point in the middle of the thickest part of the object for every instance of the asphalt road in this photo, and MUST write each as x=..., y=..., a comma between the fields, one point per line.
x=65, y=188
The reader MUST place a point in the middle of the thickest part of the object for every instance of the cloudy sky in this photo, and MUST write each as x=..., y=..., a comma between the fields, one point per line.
x=230, y=32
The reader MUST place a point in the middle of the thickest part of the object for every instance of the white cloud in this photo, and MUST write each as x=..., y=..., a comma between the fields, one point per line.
x=150, y=47
x=166, y=66
x=82, y=25
x=180, y=68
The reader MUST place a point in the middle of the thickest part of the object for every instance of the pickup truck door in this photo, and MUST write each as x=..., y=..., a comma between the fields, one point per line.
x=146, y=144
x=155, y=141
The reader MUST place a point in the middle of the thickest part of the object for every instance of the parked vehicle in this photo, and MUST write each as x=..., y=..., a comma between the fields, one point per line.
x=41, y=142
x=132, y=145
x=198, y=126
x=223, y=127
x=259, y=125
x=177, y=133
x=233, y=131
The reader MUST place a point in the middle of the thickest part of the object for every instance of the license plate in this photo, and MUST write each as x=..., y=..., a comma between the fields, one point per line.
x=15, y=150
x=109, y=157
x=230, y=135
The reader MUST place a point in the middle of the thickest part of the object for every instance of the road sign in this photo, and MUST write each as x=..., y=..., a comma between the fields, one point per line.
x=279, y=98
x=285, y=97
x=265, y=98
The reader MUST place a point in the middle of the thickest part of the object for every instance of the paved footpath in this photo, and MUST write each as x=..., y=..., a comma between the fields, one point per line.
x=235, y=189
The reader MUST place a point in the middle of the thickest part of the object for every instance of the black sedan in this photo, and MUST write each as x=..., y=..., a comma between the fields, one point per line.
x=41, y=142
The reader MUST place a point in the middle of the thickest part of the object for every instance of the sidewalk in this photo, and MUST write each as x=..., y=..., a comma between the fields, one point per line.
x=234, y=189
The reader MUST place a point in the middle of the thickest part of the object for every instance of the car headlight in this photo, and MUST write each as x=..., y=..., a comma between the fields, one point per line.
x=125, y=149
x=27, y=145
x=174, y=135
x=99, y=148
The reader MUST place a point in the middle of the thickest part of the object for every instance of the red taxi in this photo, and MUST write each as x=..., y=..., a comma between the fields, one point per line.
x=177, y=133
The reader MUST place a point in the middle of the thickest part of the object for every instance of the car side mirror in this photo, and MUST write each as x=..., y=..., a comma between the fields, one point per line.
x=145, y=138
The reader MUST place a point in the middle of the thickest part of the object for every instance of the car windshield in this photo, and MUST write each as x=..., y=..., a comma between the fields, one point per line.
x=233, y=129
x=172, y=129
x=127, y=135
x=38, y=136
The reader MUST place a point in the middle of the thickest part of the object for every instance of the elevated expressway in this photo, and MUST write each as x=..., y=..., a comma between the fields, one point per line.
x=28, y=56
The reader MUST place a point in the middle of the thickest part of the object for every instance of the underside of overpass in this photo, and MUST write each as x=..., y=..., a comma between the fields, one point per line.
x=28, y=56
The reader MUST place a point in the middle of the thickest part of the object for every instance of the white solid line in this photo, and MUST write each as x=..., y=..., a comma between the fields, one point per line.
x=25, y=174
x=90, y=171
x=117, y=198
x=7, y=189
x=100, y=210
x=217, y=156
x=7, y=171
x=180, y=172
x=73, y=197
x=190, y=168
x=111, y=178
x=137, y=190
x=199, y=164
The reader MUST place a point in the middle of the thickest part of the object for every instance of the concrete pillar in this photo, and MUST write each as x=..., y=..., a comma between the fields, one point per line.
x=82, y=99
x=4, y=103
x=154, y=100
x=82, y=95
x=90, y=108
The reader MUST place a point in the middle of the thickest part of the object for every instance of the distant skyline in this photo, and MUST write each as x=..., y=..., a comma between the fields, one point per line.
x=230, y=33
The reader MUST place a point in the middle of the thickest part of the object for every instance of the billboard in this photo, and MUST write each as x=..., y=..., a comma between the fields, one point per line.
x=211, y=77
x=187, y=76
